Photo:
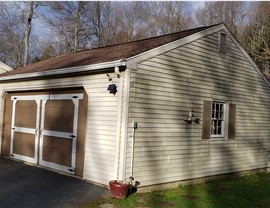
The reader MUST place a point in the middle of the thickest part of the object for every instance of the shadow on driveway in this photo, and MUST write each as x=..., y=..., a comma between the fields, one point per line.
x=28, y=186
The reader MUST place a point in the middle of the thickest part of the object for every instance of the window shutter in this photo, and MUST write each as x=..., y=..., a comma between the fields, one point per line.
x=232, y=121
x=207, y=117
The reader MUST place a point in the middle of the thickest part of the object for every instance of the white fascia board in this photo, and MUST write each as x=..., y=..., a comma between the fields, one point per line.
x=5, y=67
x=70, y=70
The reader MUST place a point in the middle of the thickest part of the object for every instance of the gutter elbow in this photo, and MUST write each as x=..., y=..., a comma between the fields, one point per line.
x=117, y=71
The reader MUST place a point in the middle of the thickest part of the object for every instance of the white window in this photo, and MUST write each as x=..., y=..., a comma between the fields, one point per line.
x=222, y=42
x=218, y=119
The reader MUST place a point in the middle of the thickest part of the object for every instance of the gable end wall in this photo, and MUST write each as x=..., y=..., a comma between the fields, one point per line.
x=166, y=87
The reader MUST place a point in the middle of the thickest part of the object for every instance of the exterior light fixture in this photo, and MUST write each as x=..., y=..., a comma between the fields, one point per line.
x=109, y=77
x=112, y=88
x=190, y=119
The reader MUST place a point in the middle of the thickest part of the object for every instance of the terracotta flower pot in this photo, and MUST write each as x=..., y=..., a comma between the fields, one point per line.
x=119, y=189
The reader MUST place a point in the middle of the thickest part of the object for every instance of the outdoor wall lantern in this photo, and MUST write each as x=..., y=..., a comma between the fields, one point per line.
x=112, y=88
x=190, y=118
x=109, y=77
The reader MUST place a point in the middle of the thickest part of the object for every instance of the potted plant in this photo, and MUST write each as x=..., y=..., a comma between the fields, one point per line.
x=122, y=189
x=119, y=189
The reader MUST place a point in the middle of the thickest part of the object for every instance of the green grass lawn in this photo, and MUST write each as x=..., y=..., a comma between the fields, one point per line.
x=247, y=191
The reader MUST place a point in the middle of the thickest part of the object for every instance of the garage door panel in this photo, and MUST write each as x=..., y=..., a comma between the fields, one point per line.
x=46, y=128
x=25, y=115
x=24, y=144
x=59, y=115
x=57, y=150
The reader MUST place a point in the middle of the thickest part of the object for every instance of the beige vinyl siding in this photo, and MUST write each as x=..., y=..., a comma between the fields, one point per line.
x=166, y=87
x=100, y=147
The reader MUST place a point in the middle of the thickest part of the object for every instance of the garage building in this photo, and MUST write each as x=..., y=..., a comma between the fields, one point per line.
x=176, y=107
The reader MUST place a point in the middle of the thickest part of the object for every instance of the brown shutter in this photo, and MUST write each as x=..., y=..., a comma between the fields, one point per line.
x=207, y=117
x=232, y=121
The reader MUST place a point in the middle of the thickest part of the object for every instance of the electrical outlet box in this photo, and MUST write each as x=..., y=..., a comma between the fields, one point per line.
x=134, y=124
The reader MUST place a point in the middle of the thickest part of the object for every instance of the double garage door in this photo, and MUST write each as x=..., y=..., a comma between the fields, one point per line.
x=47, y=129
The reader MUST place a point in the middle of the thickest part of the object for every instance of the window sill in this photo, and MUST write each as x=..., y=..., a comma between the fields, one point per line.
x=213, y=139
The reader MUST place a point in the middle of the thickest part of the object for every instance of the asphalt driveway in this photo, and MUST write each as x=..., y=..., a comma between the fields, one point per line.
x=28, y=186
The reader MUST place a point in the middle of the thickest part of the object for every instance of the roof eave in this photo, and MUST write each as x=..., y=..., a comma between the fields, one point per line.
x=63, y=71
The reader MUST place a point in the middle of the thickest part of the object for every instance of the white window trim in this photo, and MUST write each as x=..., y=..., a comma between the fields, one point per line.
x=225, y=123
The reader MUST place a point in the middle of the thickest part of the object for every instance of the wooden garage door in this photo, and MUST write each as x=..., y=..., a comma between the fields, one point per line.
x=25, y=127
x=46, y=124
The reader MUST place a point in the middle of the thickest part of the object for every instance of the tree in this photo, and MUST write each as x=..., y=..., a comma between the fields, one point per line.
x=27, y=32
x=121, y=24
x=257, y=35
x=127, y=24
x=232, y=13
x=67, y=22
x=99, y=23
x=169, y=16
x=15, y=32
x=10, y=32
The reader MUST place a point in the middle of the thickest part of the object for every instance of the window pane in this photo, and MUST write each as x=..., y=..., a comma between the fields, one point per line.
x=219, y=130
x=219, y=123
x=217, y=118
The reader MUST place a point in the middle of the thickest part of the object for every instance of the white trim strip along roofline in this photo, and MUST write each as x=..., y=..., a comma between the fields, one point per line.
x=5, y=67
x=70, y=70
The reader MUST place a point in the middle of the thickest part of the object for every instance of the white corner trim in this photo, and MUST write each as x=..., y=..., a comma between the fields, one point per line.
x=5, y=67
x=86, y=68
x=118, y=130
x=124, y=129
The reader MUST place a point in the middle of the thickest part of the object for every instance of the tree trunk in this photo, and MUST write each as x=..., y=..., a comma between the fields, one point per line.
x=27, y=33
x=81, y=7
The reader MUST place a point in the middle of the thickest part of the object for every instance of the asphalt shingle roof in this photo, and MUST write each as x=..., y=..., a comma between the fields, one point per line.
x=104, y=54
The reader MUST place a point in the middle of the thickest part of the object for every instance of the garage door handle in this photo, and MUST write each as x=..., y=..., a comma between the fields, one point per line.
x=72, y=136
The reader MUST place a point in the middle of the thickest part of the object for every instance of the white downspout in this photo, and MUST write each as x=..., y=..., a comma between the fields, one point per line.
x=134, y=126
